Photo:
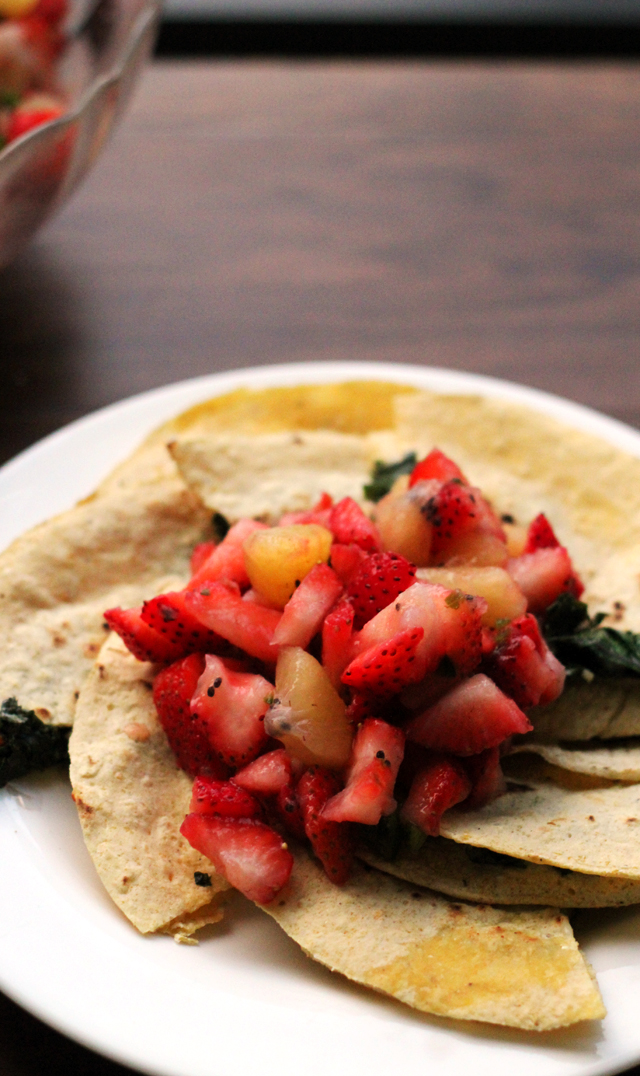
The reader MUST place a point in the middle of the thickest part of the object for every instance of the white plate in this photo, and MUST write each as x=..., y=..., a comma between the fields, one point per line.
x=246, y=1000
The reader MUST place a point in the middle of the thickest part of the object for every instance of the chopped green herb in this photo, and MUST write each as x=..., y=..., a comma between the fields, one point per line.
x=385, y=838
x=9, y=99
x=385, y=474
x=580, y=642
x=26, y=743
x=200, y=878
x=220, y=526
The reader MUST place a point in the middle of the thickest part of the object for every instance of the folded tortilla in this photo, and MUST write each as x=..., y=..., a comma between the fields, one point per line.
x=614, y=760
x=477, y=874
x=606, y=709
x=517, y=968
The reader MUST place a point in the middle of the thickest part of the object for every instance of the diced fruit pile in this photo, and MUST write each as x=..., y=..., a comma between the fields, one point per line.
x=318, y=673
x=31, y=41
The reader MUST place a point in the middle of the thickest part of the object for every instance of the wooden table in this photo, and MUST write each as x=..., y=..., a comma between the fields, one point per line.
x=474, y=216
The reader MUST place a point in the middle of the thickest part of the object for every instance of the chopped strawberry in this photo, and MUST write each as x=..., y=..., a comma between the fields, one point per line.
x=544, y=575
x=201, y=553
x=349, y=524
x=245, y=624
x=251, y=856
x=362, y=706
x=144, y=643
x=464, y=526
x=346, y=560
x=440, y=785
x=307, y=607
x=487, y=778
x=169, y=616
x=331, y=841
x=24, y=119
x=186, y=733
x=386, y=668
x=266, y=775
x=473, y=716
x=376, y=755
x=523, y=666
x=318, y=514
x=226, y=561
x=435, y=465
x=540, y=535
x=223, y=798
x=337, y=632
x=232, y=706
x=290, y=812
x=378, y=581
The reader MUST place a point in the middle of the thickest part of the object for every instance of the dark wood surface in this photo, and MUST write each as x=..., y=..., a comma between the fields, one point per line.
x=481, y=217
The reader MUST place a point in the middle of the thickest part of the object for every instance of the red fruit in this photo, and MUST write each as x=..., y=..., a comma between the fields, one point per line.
x=378, y=581
x=440, y=785
x=362, y=706
x=187, y=736
x=266, y=775
x=435, y=465
x=540, y=535
x=331, y=841
x=144, y=643
x=349, y=524
x=473, y=716
x=249, y=854
x=458, y=513
x=376, y=755
x=245, y=624
x=523, y=666
x=169, y=616
x=223, y=798
x=487, y=778
x=226, y=561
x=386, y=668
x=310, y=603
x=318, y=514
x=52, y=11
x=544, y=575
x=346, y=560
x=289, y=811
x=232, y=706
x=24, y=119
x=337, y=632
x=201, y=553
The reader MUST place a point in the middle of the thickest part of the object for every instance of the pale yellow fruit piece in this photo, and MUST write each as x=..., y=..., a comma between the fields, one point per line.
x=310, y=718
x=16, y=9
x=516, y=538
x=504, y=597
x=402, y=526
x=278, y=558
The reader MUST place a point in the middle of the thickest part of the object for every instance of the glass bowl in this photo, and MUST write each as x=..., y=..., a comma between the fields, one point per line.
x=109, y=41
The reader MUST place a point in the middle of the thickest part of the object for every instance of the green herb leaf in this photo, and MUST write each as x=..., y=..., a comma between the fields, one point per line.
x=580, y=642
x=26, y=743
x=385, y=838
x=9, y=99
x=384, y=475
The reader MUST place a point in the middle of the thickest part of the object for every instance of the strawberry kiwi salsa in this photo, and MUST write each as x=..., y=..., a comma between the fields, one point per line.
x=31, y=41
x=319, y=673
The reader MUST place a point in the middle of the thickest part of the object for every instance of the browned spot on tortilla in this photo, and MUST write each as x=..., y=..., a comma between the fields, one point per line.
x=91, y=649
x=83, y=807
x=137, y=732
x=43, y=713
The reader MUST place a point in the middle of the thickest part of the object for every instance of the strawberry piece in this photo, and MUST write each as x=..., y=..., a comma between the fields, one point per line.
x=169, y=616
x=378, y=581
x=362, y=706
x=544, y=575
x=435, y=465
x=266, y=775
x=349, y=524
x=331, y=841
x=386, y=668
x=24, y=119
x=540, y=535
x=223, y=798
x=486, y=777
x=52, y=11
x=201, y=553
x=142, y=641
x=226, y=561
x=459, y=517
x=337, y=631
x=440, y=785
x=377, y=752
x=346, y=560
x=318, y=514
x=310, y=603
x=523, y=666
x=232, y=706
x=245, y=624
x=473, y=716
x=290, y=812
x=249, y=854
x=187, y=735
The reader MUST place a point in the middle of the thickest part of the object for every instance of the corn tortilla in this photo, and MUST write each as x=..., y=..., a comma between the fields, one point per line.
x=614, y=760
